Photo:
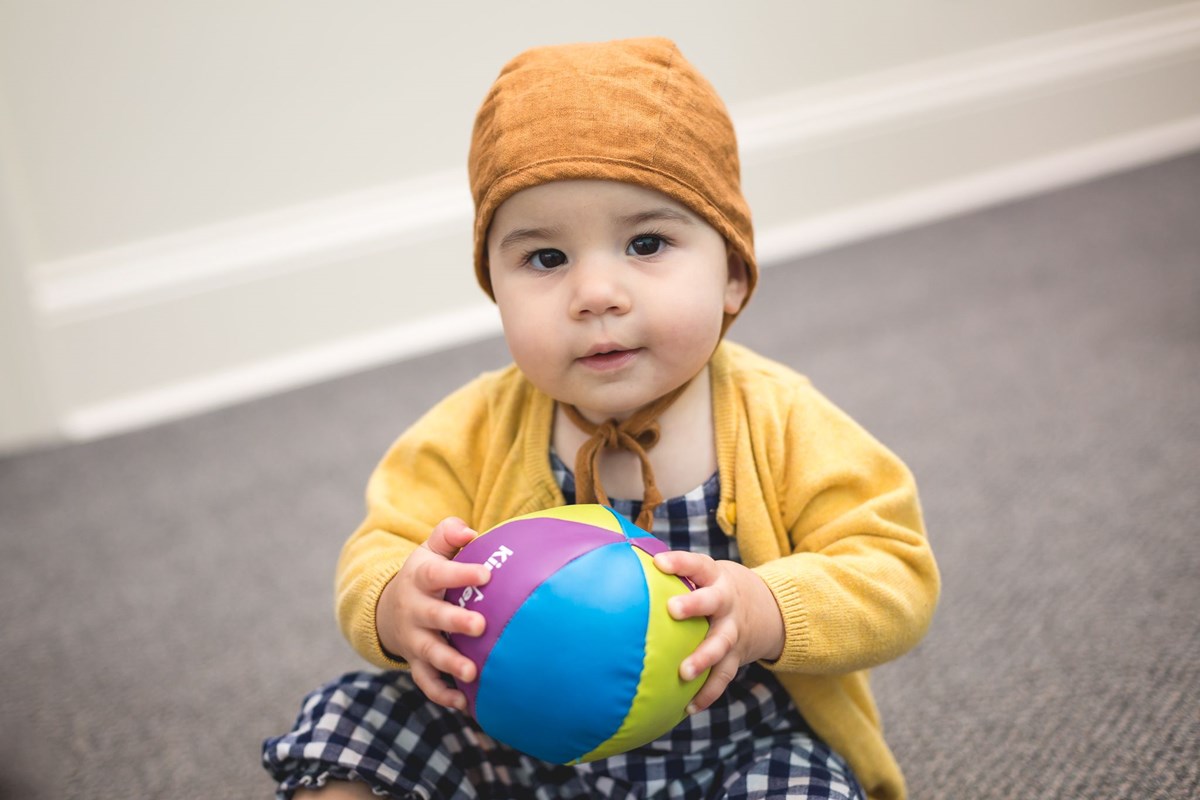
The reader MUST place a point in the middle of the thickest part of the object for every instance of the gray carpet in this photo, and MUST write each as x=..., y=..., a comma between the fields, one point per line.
x=165, y=596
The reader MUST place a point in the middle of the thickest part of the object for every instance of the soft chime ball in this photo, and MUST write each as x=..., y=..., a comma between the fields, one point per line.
x=579, y=659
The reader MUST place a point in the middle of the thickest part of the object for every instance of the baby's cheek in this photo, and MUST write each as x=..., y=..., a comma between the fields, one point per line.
x=531, y=352
x=698, y=324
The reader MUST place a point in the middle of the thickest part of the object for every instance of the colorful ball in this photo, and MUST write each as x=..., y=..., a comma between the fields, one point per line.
x=580, y=659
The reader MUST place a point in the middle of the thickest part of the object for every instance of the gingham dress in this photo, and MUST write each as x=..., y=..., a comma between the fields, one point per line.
x=380, y=729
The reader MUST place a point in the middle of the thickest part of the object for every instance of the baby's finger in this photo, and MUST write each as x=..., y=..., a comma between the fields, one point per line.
x=704, y=602
x=699, y=568
x=459, y=536
x=429, y=681
x=441, y=656
x=722, y=673
x=435, y=575
x=448, y=617
x=715, y=648
x=449, y=536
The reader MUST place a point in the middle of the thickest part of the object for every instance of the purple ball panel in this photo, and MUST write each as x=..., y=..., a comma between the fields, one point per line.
x=650, y=544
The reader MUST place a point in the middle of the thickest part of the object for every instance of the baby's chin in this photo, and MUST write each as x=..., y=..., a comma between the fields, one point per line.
x=615, y=405
x=601, y=409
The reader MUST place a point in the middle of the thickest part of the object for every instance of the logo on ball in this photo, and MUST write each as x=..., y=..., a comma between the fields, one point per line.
x=495, y=561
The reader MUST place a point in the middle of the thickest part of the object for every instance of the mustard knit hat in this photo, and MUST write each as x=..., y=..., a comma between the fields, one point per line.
x=633, y=110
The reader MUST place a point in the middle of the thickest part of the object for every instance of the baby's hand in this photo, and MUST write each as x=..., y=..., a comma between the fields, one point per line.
x=413, y=615
x=745, y=624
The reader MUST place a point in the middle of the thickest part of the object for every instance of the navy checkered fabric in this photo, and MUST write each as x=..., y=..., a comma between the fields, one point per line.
x=380, y=729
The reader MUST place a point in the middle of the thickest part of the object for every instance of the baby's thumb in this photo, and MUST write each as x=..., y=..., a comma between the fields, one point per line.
x=450, y=536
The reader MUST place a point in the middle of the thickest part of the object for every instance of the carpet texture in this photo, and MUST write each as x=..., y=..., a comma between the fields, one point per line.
x=165, y=596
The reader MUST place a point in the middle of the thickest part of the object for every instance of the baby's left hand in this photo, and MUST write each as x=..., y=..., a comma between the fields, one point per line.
x=745, y=624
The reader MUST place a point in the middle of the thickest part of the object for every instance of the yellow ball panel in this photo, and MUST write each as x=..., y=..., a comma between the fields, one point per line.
x=590, y=514
x=662, y=696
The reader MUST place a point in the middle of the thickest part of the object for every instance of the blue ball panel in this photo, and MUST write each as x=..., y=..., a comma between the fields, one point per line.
x=574, y=652
x=627, y=527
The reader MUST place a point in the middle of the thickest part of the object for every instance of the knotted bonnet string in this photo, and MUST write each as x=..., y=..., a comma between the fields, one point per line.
x=637, y=434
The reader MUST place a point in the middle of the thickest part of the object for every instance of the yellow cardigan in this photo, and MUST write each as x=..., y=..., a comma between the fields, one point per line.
x=826, y=515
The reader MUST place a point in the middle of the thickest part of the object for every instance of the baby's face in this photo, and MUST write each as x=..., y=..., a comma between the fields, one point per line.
x=611, y=295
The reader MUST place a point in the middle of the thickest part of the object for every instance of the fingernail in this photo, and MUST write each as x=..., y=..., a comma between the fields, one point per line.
x=692, y=708
x=687, y=671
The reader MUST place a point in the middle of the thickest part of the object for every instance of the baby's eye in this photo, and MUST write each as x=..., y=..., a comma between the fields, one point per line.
x=547, y=259
x=646, y=245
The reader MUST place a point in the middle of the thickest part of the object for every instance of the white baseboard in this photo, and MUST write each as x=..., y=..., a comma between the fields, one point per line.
x=391, y=217
x=782, y=138
x=785, y=243
x=207, y=392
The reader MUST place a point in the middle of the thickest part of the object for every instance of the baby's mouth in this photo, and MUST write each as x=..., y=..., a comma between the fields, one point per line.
x=609, y=359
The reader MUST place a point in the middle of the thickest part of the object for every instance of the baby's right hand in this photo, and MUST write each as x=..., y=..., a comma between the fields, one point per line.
x=413, y=614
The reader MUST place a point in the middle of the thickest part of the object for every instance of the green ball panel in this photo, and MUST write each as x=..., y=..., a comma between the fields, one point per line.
x=662, y=696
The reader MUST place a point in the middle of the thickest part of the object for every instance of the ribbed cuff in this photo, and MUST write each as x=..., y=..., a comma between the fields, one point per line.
x=363, y=632
x=795, y=616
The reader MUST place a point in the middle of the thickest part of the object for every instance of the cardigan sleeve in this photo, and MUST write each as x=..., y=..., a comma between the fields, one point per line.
x=429, y=473
x=859, y=585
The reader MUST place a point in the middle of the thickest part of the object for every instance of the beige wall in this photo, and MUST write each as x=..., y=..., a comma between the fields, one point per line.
x=125, y=121
x=140, y=117
x=26, y=414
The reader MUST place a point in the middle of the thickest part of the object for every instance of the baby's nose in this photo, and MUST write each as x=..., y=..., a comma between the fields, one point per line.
x=599, y=288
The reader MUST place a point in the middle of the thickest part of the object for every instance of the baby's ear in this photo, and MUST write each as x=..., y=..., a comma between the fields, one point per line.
x=738, y=285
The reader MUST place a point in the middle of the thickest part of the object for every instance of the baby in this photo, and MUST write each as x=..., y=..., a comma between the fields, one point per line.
x=611, y=232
